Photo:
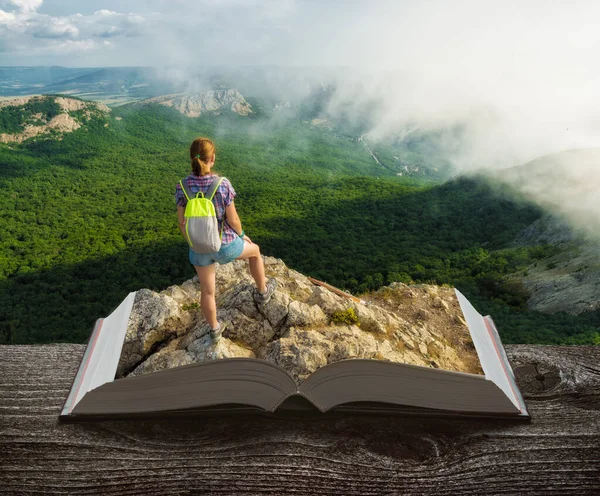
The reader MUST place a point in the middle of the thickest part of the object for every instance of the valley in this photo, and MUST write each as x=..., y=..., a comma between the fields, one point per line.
x=89, y=217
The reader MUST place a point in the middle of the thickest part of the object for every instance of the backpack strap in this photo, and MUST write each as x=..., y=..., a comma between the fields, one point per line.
x=213, y=187
x=186, y=190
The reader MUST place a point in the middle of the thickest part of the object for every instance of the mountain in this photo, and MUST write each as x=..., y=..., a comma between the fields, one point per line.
x=280, y=94
x=569, y=279
x=39, y=116
x=194, y=105
x=567, y=185
x=117, y=85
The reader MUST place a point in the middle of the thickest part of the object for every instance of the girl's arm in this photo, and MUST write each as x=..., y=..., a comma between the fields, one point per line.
x=181, y=220
x=233, y=219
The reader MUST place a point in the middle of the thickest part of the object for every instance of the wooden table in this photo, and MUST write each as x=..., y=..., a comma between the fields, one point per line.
x=557, y=453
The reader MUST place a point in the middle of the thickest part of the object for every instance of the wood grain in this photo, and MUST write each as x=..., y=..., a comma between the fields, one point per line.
x=557, y=453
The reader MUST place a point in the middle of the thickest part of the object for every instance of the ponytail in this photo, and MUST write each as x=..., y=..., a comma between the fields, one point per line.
x=199, y=167
x=202, y=151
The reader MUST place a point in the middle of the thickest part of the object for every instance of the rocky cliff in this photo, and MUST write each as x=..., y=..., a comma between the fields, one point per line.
x=196, y=104
x=72, y=115
x=304, y=326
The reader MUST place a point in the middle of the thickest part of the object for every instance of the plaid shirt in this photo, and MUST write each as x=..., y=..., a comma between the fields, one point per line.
x=223, y=198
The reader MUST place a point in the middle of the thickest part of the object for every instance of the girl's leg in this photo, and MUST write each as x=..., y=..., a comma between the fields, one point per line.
x=251, y=252
x=206, y=276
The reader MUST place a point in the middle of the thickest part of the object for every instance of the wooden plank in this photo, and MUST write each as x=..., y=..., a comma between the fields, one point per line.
x=557, y=453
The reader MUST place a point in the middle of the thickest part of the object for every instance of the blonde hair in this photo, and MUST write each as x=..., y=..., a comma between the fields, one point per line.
x=201, y=152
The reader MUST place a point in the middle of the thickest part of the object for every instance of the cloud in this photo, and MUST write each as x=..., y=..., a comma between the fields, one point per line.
x=6, y=18
x=27, y=33
x=105, y=12
x=110, y=32
x=517, y=80
x=68, y=46
x=27, y=5
x=567, y=184
x=53, y=28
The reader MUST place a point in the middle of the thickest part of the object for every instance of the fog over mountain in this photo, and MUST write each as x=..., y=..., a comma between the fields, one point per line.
x=514, y=80
x=567, y=183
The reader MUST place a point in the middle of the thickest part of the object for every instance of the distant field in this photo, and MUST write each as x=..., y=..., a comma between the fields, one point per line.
x=19, y=96
x=110, y=100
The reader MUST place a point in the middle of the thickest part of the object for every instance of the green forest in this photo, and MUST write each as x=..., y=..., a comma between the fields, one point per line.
x=91, y=217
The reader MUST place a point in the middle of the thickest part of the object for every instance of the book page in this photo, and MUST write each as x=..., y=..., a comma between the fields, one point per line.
x=305, y=326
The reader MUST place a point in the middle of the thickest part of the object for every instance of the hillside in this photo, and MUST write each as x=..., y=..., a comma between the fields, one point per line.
x=45, y=116
x=567, y=185
x=282, y=95
x=569, y=279
x=91, y=217
x=197, y=104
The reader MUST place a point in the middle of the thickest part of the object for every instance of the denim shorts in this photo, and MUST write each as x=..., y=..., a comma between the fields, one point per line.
x=227, y=253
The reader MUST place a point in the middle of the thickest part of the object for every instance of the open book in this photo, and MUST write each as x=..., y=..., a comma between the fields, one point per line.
x=257, y=385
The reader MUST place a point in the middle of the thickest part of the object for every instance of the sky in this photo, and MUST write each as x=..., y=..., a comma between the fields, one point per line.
x=505, y=37
x=522, y=74
x=438, y=59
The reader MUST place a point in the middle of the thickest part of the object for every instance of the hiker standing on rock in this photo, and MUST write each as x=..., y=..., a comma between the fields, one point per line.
x=234, y=244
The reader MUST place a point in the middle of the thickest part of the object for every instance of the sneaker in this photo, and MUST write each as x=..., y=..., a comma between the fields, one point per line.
x=263, y=299
x=215, y=334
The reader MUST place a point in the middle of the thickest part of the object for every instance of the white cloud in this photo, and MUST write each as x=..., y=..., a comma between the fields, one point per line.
x=53, y=28
x=27, y=5
x=6, y=18
x=68, y=46
x=26, y=32
x=109, y=32
x=231, y=30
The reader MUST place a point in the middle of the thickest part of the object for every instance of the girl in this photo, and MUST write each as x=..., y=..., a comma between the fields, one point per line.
x=235, y=243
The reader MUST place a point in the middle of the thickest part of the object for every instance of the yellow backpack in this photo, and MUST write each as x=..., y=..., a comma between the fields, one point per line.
x=201, y=223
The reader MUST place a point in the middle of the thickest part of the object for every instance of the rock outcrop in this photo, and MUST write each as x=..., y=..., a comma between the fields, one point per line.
x=569, y=280
x=304, y=326
x=60, y=124
x=196, y=104
x=546, y=230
